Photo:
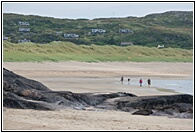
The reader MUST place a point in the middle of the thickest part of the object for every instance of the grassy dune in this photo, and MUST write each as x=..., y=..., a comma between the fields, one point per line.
x=66, y=51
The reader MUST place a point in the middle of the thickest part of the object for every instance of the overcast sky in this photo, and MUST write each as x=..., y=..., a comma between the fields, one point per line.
x=91, y=10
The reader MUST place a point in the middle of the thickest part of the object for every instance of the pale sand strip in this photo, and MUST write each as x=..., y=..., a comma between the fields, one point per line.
x=15, y=119
x=102, y=69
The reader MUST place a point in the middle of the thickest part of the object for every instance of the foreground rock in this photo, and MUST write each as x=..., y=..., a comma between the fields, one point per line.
x=23, y=93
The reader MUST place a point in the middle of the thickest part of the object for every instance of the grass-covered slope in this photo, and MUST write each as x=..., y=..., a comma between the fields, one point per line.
x=172, y=29
x=66, y=51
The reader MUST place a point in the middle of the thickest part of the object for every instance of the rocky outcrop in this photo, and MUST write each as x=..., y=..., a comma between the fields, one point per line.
x=174, y=105
x=23, y=93
x=143, y=112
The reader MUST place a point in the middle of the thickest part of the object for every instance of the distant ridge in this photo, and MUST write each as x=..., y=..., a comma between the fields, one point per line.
x=172, y=29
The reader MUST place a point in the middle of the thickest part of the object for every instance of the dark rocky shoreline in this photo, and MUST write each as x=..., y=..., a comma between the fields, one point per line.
x=22, y=93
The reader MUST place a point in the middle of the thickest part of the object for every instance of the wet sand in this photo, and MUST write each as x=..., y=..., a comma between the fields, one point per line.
x=80, y=77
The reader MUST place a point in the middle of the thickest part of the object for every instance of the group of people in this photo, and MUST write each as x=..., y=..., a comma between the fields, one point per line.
x=140, y=81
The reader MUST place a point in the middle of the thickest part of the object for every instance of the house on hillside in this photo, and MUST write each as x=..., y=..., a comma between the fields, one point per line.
x=23, y=23
x=126, y=44
x=22, y=41
x=5, y=38
x=125, y=31
x=71, y=35
x=24, y=29
x=98, y=31
x=160, y=46
x=58, y=33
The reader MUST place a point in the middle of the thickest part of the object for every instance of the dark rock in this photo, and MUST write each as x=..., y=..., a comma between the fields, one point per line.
x=12, y=81
x=153, y=102
x=143, y=112
x=183, y=107
x=179, y=110
x=20, y=92
x=12, y=100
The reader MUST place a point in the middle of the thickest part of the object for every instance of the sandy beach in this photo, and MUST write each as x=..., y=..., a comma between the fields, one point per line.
x=81, y=77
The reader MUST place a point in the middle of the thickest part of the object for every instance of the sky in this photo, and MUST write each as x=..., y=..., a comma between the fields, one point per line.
x=91, y=10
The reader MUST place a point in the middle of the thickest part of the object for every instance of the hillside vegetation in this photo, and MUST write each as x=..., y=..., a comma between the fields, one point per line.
x=172, y=29
x=66, y=51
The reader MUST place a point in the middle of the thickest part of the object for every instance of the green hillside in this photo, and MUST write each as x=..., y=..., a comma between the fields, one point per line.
x=66, y=51
x=172, y=29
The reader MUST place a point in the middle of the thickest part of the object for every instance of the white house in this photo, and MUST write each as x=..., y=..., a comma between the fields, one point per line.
x=22, y=41
x=71, y=35
x=125, y=31
x=24, y=29
x=126, y=44
x=5, y=38
x=58, y=32
x=160, y=46
x=98, y=31
x=23, y=23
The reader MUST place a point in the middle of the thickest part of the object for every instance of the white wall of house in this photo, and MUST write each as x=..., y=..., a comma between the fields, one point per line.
x=71, y=35
x=5, y=38
x=24, y=29
x=126, y=44
x=98, y=31
x=22, y=41
x=160, y=46
x=58, y=32
x=125, y=31
x=23, y=23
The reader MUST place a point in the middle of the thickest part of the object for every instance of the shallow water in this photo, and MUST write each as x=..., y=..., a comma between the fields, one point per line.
x=112, y=84
x=180, y=85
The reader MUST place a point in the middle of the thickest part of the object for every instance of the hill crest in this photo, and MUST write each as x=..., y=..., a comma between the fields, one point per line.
x=172, y=29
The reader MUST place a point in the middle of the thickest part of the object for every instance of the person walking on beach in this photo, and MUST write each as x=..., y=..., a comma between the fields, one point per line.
x=128, y=81
x=149, y=83
x=122, y=78
x=140, y=81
